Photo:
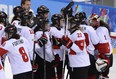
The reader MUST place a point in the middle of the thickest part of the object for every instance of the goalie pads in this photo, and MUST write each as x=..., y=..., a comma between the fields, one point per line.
x=101, y=65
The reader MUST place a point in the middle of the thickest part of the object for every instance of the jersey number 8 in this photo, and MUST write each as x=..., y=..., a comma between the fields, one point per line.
x=23, y=53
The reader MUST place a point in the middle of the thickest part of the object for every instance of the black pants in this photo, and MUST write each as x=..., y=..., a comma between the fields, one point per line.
x=59, y=70
x=79, y=73
x=26, y=75
x=40, y=72
x=92, y=68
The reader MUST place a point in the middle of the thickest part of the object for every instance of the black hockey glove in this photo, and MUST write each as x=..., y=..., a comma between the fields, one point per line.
x=56, y=41
x=42, y=40
x=34, y=66
x=56, y=61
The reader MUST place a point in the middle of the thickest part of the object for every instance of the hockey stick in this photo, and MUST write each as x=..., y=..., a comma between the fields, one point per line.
x=33, y=58
x=55, y=68
x=44, y=53
x=64, y=54
x=66, y=26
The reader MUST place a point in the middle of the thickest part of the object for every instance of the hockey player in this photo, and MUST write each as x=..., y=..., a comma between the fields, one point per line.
x=3, y=18
x=41, y=11
x=56, y=32
x=17, y=15
x=91, y=39
x=104, y=46
x=17, y=49
x=78, y=57
x=42, y=14
x=43, y=33
x=3, y=23
x=23, y=28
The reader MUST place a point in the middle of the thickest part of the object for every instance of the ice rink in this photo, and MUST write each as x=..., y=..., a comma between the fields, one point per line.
x=112, y=74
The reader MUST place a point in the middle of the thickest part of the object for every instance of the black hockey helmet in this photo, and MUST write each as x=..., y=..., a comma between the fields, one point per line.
x=74, y=24
x=10, y=31
x=42, y=9
x=81, y=15
x=3, y=18
x=27, y=18
x=75, y=20
x=40, y=20
x=18, y=10
x=56, y=18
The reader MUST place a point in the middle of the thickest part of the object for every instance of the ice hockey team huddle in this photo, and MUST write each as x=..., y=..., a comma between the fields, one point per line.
x=43, y=47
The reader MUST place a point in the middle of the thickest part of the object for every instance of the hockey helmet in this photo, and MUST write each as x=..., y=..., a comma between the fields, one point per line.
x=42, y=9
x=81, y=16
x=3, y=18
x=18, y=11
x=94, y=20
x=10, y=31
x=74, y=23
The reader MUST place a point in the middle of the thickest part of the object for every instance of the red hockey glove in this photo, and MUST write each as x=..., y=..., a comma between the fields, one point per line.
x=42, y=40
x=66, y=41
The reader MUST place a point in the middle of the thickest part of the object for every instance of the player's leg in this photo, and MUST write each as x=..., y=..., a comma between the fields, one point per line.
x=92, y=69
x=79, y=73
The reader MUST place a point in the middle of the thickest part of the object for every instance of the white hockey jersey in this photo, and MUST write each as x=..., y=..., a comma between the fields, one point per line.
x=91, y=38
x=78, y=56
x=48, y=47
x=58, y=35
x=104, y=45
x=27, y=33
x=18, y=51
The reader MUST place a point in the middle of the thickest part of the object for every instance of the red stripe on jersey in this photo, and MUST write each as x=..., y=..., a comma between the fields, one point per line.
x=86, y=39
x=80, y=44
x=72, y=52
x=3, y=51
x=0, y=66
x=103, y=48
x=3, y=40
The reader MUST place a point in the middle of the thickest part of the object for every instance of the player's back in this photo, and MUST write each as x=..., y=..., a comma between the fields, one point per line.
x=104, y=37
x=18, y=54
x=91, y=38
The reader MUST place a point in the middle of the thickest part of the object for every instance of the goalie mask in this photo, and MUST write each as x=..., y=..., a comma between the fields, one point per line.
x=57, y=21
x=10, y=31
x=94, y=20
x=101, y=65
x=3, y=18
x=74, y=24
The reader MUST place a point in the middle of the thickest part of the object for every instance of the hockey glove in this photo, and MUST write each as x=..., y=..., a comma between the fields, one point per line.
x=34, y=66
x=66, y=41
x=56, y=61
x=42, y=40
x=101, y=64
x=56, y=41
